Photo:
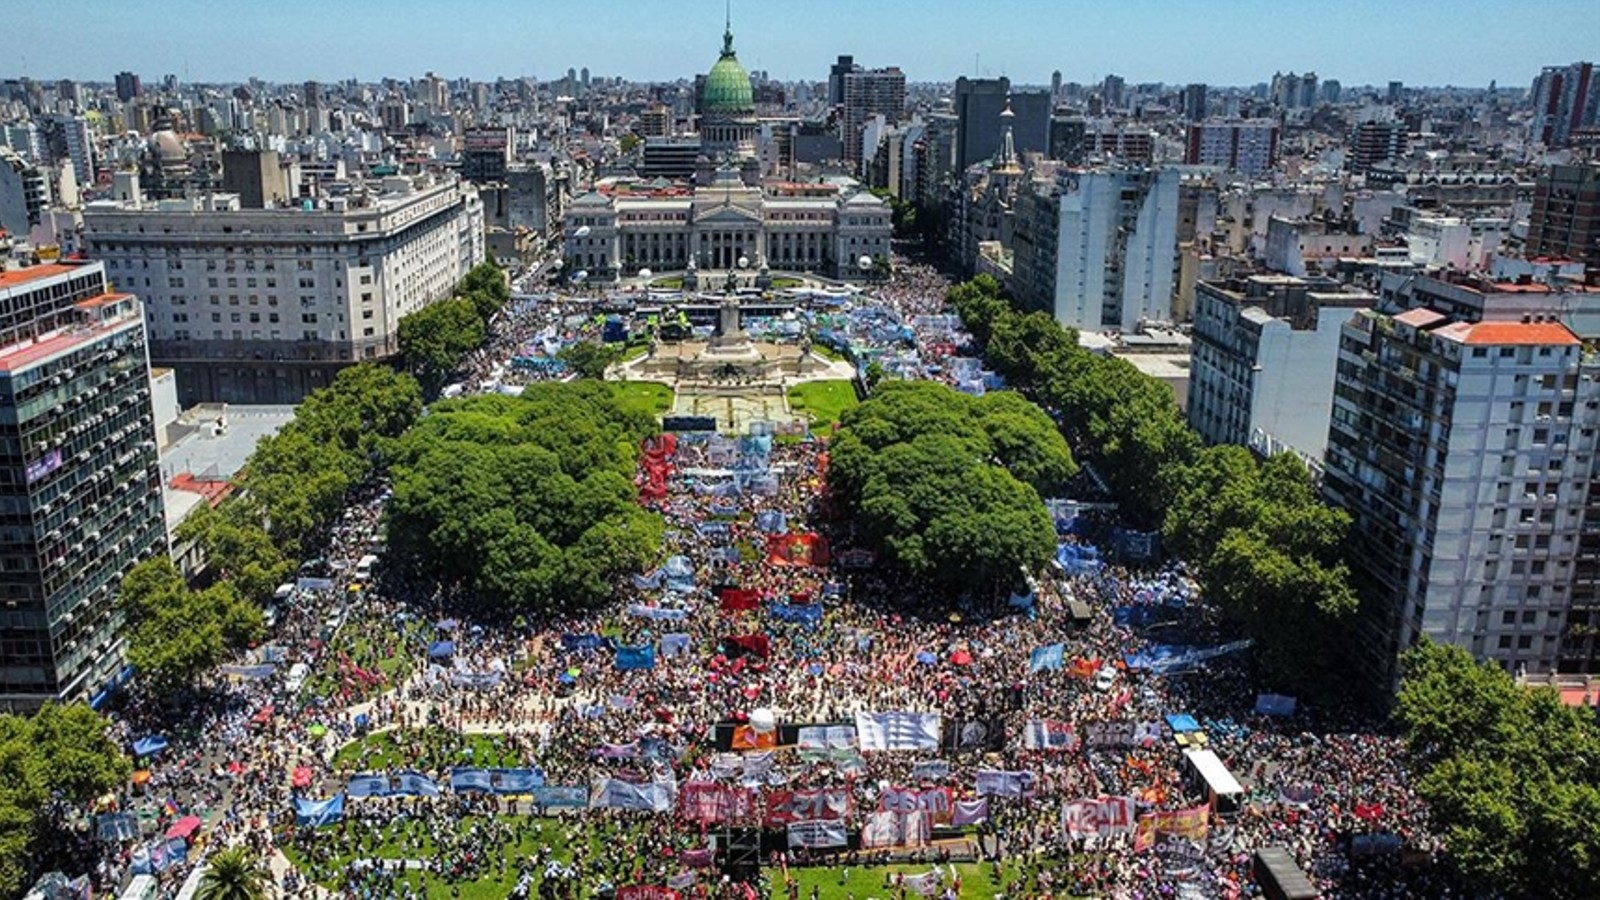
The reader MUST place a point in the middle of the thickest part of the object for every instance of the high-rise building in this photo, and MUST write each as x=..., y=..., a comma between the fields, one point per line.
x=1465, y=452
x=1114, y=245
x=1566, y=99
x=266, y=305
x=836, y=73
x=1263, y=359
x=82, y=484
x=68, y=139
x=24, y=193
x=128, y=87
x=1331, y=90
x=1249, y=147
x=256, y=176
x=1373, y=143
x=1565, y=222
x=1055, y=85
x=978, y=105
x=868, y=93
x=1113, y=91
x=486, y=153
x=1194, y=102
x=1396, y=93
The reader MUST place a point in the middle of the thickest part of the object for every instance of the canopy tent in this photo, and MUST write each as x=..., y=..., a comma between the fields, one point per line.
x=184, y=827
x=1182, y=723
x=149, y=746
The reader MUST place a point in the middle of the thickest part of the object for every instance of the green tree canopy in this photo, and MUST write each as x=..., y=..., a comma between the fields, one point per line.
x=176, y=634
x=1510, y=775
x=486, y=288
x=947, y=486
x=237, y=550
x=529, y=499
x=434, y=339
x=590, y=359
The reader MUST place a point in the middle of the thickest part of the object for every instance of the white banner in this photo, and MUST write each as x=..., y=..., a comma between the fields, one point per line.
x=1102, y=817
x=827, y=737
x=898, y=730
x=817, y=833
x=655, y=797
x=892, y=829
x=1048, y=734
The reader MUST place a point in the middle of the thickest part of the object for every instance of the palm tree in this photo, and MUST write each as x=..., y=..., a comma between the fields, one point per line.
x=234, y=875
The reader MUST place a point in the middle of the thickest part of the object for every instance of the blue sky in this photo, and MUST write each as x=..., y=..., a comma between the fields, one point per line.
x=1423, y=42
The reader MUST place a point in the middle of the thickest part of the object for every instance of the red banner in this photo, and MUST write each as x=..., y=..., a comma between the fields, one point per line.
x=759, y=644
x=937, y=802
x=797, y=550
x=647, y=892
x=783, y=807
x=739, y=600
x=747, y=738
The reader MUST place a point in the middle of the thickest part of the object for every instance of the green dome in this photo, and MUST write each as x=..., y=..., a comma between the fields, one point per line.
x=728, y=84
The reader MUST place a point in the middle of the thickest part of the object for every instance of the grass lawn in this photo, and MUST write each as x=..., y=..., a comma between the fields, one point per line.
x=671, y=283
x=657, y=396
x=634, y=350
x=782, y=283
x=390, y=750
x=823, y=401
x=828, y=353
x=868, y=881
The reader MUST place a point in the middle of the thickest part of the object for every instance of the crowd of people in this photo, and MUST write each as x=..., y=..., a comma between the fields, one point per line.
x=1325, y=783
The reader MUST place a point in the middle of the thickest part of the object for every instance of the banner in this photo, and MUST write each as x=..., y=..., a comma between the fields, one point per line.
x=709, y=803
x=556, y=796
x=1121, y=734
x=1101, y=817
x=581, y=641
x=1049, y=658
x=898, y=730
x=1048, y=734
x=649, y=582
x=747, y=738
x=641, y=657
x=1012, y=785
x=116, y=827
x=318, y=812
x=925, y=885
x=412, y=784
x=931, y=770
x=674, y=644
x=891, y=829
x=797, y=550
x=613, y=793
x=734, y=600
x=758, y=644
x=970, y=812
x=657, y=613
x=1190, y=824
x=366, y=784
x=974, y=735
x=827, y=737
x=936, y=802
x=817, y=833
x=783, y=807
x=808, y=614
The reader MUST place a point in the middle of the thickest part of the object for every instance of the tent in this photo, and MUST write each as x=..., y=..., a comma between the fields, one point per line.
x=441, y=649
x=1182, y=723
x=184, y=827
x=149, y=746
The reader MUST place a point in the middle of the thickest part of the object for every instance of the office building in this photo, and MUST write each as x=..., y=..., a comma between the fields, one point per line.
x=1246, y=146
x=264, y=306
x=256, y=176
x=869, y=93
x=81, y=488
x=1374, y=143
x=1465, y=452
x=486, y=153
x=1194, y=102
x=1566, y=99
x=1565, y=222
x=1263, y=360
x=672, y=158
x=978, y=104
x=24, y=193
x=1111, y=247
x=128, y=87
x=836, y=73
x=68, y=139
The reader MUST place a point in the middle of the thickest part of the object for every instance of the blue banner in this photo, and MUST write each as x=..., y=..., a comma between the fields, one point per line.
x=413, y=784
x=805, y=614
x=649, y=582
x=366, y=784
x=318, y=812
x=657, y=613
x=1051, y=658
x=674, y=644
x=556, y=796
x=464, y=781
x=641, y=657
x=581, y=641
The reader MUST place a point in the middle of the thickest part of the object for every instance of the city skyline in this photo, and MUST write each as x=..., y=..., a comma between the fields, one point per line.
x=1472, y=42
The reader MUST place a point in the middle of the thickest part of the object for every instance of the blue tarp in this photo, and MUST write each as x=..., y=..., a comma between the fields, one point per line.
x=1051, y=658
x=441, y=649
x=149, y=746
x=642, y=657
x=1182, y=723
x=803, y=613
x=772, y=521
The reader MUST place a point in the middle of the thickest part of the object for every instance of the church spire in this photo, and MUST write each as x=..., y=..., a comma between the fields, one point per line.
x=727, y=31
x=1007, y=158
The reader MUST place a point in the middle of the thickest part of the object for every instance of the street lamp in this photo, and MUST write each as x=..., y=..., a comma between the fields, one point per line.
x=864, y=264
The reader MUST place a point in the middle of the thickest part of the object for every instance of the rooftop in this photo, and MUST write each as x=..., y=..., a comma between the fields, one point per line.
x=16, y=277
x=1517, y=334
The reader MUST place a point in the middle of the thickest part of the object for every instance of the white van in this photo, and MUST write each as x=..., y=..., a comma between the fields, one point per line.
x=142, y=887
x=364, y=567
x=297, y=676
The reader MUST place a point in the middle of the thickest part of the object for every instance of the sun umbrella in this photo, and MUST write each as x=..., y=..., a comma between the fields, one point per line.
x=184, y=827
x=317, y=730
x=141, y=776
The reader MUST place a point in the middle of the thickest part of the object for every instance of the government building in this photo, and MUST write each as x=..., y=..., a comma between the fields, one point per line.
x=729, y=218
x=266, y=305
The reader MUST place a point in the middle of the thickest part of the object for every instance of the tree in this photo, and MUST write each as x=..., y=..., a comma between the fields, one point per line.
x=945, y=485
x=629, y=143
x=590, y=359
x=61, y=753
x=176, y=634
x=1510, y=775
x=233, y=874
x=528, y=499
x=237, y=550
x=874, y=374
x=485, y=286
x=434, y=339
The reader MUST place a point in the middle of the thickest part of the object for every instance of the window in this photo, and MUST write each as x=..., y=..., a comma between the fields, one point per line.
x=272, y=317
x=216, y=317
x=175, y=282
x=308, y=282
x=308, y=318
x=234, y=318
x=308, y=336
x=255, y=318
x=366, y=314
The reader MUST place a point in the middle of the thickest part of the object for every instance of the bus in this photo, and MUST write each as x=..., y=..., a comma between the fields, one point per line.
x=1207, y=774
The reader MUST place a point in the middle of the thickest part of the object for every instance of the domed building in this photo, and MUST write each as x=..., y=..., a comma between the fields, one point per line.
x=728, y=116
